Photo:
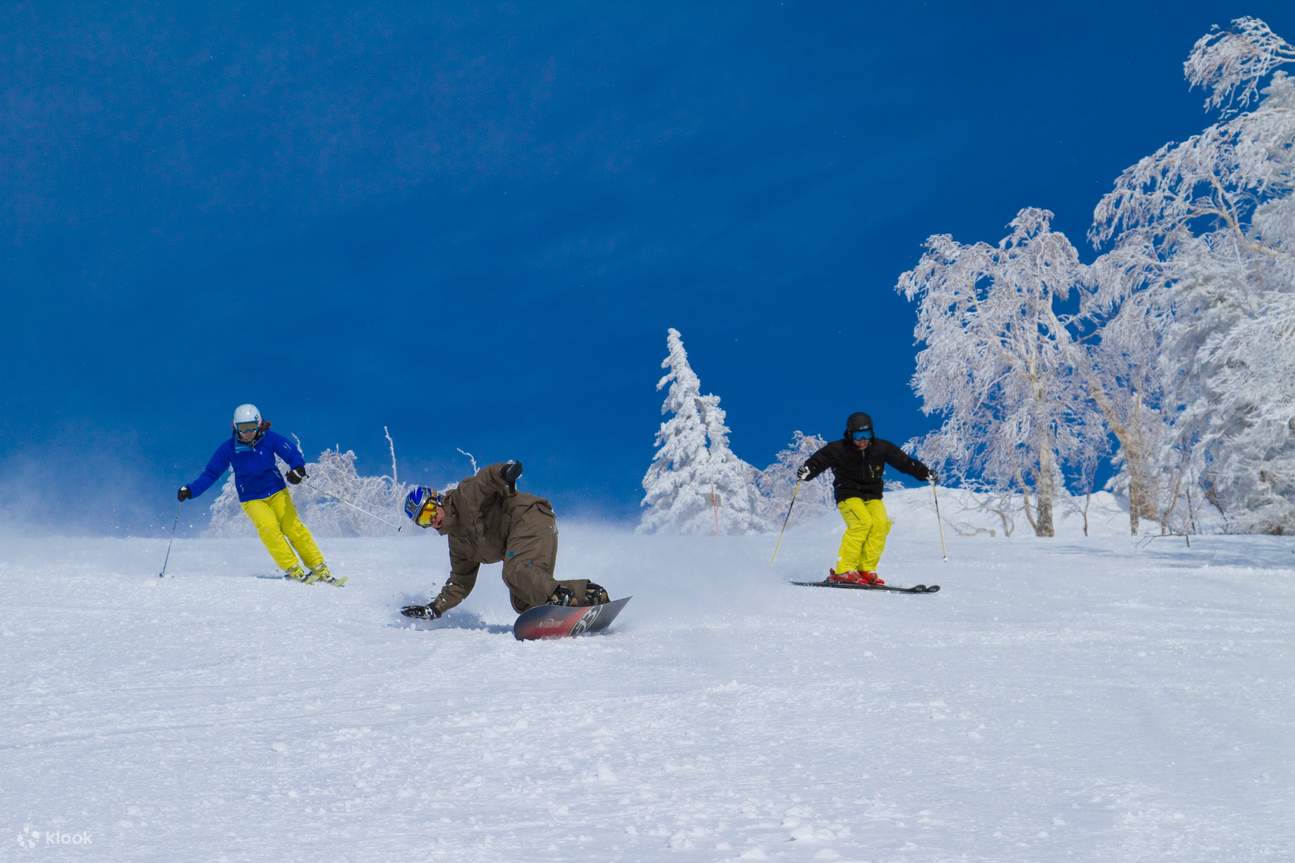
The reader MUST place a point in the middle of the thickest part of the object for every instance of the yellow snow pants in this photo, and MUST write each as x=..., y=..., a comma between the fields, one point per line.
x=866, y=526
x=276, y=521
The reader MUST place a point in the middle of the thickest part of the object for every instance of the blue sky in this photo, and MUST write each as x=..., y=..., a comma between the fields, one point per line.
x=474, y=223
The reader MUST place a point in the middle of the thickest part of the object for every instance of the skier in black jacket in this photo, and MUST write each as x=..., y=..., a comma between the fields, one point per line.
x=857, y=462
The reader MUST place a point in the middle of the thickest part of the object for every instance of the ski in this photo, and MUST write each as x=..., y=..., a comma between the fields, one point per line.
x=337, y=581
x=893, y=588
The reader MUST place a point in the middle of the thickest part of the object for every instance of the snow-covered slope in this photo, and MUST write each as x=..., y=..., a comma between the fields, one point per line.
x=1072, y=699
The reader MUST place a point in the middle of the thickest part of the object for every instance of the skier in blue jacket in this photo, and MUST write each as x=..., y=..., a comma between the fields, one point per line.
x=250, y=450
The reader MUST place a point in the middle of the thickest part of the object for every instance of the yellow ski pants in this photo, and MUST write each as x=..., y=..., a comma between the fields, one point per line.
x=866, y=526
x=276, y=521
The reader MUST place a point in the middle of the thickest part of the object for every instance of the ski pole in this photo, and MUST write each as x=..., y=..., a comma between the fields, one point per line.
x=398, y=527
x=795, y=490
x=944, y=554
x=167, y=559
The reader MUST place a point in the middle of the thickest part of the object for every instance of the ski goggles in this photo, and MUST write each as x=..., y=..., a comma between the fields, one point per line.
x=861, y=434
x=426, y=514
x=247, y=428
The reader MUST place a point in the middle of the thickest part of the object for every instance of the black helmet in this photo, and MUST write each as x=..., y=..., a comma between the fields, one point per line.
x=857, y=422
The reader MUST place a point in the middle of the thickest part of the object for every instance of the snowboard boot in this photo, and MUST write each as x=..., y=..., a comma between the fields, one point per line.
x=322, y=574
x=562, y=596
x=296, y=573
x=596, y=594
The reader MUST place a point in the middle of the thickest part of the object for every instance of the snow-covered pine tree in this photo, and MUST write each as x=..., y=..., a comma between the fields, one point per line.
x=777, y=481
x=736, y=500
x=674, y=498
x=695, y=484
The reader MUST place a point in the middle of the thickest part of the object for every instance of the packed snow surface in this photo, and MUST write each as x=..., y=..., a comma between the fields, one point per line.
x=1093, y=699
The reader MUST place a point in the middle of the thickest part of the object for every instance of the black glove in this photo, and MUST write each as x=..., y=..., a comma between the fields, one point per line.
x=512, y=470
x=296, y=475
x=421, y=612
x=183, y=494
x=803, y=473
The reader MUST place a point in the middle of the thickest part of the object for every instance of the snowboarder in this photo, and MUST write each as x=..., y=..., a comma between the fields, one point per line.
x=487, y=520
x=857, y=461
x=250, y=450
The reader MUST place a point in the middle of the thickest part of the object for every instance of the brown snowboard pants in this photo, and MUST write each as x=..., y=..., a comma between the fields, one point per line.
x=532, y=554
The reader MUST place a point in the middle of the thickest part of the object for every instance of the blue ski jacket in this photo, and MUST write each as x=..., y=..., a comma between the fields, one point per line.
x=255, y=474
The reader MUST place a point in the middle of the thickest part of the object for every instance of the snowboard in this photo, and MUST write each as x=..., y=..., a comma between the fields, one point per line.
x=561, y=621
x=893, y=588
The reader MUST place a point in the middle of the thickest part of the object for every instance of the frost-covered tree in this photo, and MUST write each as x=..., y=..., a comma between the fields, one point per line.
x=1123, y=318
x=1202, y=236
x=777, y=481
x=334, y=479
x=1229, y=64
x=695, y=483
x=998, y=362
x=1235, y=341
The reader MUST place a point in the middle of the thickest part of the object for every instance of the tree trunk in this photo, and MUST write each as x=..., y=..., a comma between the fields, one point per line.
x=1141, y=496
x=1142, y=502
x=1045, y=516
x=1045, y=491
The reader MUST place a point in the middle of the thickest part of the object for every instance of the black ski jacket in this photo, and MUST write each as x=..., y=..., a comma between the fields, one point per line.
x=858, y=473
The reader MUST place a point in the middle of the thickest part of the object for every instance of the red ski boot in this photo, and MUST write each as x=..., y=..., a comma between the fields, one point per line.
x=853, y=577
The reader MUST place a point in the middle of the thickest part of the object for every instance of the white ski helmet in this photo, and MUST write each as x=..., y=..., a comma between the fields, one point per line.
x=246, y=414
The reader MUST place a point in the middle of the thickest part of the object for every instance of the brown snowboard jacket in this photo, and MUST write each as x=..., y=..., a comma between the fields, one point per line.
x=487, y=522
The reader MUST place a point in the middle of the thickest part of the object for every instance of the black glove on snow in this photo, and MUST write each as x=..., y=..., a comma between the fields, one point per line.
x=183, y=494
x=803, y=473
x=512, y=470
x=296, y=475
x=422, y=612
